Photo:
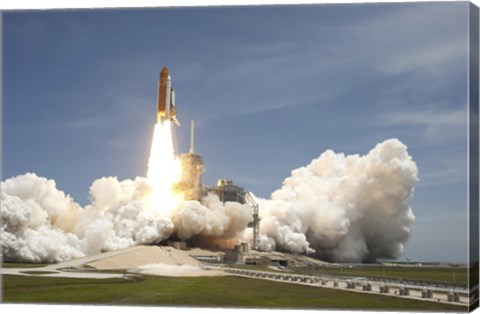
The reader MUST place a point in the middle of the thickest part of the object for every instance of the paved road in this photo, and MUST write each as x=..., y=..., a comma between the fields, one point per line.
x=66, y=269
x=50, y=272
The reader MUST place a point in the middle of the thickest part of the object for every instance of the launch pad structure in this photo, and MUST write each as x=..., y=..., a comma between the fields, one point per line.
x=192, y=170
x=255, y=223
x=192, y=188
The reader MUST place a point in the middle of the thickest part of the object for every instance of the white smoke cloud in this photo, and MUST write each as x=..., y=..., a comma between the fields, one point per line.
x=213, y=218
x=41, y=224
x=34, y=215
x=342, y=208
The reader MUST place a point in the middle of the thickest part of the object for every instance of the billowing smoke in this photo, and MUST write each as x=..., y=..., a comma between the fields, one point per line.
x=342, y=208
x=42, y=224
x=213, y=218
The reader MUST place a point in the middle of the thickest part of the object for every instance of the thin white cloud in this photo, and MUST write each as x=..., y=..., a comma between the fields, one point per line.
x=443, y=177
x=86, y=123
x=420, y=44
x=421, y=37
x=78, y=123
x=126, y=109
x=118, y=144
x=438, y=125
x=429, y=117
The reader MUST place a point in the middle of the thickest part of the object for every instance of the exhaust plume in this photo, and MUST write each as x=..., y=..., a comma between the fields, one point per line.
x=344, y=208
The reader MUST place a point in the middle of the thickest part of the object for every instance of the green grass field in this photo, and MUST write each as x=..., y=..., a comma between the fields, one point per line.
x=225, y=291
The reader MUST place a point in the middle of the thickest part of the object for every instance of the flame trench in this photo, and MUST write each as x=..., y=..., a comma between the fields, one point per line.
x=164, y=171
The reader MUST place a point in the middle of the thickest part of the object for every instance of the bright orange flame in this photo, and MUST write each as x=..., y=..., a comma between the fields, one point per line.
x=164, y=170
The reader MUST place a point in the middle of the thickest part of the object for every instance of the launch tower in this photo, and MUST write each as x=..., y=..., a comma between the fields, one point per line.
x=192, y=170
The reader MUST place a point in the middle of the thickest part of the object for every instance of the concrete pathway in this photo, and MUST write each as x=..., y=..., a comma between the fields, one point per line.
x=48, y=271
x=70, y=269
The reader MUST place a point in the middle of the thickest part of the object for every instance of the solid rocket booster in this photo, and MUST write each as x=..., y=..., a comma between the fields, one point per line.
x=166, y=110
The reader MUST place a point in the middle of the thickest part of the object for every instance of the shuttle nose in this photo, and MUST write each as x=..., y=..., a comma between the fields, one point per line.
x=164, y=74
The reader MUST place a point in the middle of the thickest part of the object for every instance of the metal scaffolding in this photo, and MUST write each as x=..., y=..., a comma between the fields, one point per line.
x=228, y=192
x=255, y=224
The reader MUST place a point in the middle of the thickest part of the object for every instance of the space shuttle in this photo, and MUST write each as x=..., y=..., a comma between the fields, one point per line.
x=166, y=110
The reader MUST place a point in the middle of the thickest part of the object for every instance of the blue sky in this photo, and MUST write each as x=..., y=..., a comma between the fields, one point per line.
x=270, y=89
